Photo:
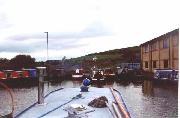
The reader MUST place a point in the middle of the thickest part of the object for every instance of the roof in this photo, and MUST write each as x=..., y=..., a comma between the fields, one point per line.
x=59, y=97
x=174, y=32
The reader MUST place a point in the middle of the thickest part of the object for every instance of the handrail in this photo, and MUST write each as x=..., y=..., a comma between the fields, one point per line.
x=121, y=108
x=116, y=110
x=11, y=94
x=127, y=109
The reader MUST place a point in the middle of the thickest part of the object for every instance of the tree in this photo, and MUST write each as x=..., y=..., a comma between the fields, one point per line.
x=22, y=61
x=4, y=63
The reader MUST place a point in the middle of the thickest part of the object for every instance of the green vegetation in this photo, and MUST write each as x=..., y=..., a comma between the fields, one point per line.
x=111, y=58
x=18, y=62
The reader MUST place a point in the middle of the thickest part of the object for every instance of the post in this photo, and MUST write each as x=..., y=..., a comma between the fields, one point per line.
x=41, y=73
x=47, y=43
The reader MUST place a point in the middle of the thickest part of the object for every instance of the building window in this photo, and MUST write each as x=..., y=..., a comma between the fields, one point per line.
x=153, y=47
x=154, y=64
x=165, y=63
x=146, y=64
x=175, y=42
x=146, y=48
x=165, y=43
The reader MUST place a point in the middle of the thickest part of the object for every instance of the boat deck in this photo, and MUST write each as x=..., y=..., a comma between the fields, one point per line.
x=52, y=107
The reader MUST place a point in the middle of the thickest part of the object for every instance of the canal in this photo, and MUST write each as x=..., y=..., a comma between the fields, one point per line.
x=145, y=99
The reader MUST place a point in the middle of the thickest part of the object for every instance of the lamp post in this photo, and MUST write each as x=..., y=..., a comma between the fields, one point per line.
x=47, y=43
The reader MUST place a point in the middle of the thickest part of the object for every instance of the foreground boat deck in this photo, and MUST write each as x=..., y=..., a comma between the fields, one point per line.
x=56, y=99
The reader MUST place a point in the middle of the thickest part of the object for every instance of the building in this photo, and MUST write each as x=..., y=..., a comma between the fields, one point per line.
x=161, y=52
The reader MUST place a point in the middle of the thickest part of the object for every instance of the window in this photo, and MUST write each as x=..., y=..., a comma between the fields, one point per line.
x=153, y=47
x=146, y=48
x=146, y=64
x=154, y=64
x=165, y=43
x=165, y=63
x=175, y=42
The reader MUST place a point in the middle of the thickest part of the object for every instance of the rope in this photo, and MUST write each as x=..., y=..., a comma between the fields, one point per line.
x=123, y=103
x=11, y=94
x=22, y=112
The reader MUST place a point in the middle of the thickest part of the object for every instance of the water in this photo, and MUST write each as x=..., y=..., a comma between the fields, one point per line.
x=144, y=99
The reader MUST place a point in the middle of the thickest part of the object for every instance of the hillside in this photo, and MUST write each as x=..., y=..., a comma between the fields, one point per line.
x=109, y=58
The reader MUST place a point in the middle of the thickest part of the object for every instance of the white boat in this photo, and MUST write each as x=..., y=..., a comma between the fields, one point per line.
x=77, y=74
x=58, y=104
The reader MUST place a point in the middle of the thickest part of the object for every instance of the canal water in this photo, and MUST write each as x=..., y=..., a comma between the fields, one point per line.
x=144, y=99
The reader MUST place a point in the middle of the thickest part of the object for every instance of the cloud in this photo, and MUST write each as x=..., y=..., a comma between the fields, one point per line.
x=35, y=41
x=4, y=21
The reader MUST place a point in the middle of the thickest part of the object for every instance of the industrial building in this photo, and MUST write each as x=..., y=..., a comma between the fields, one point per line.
x=161, y=52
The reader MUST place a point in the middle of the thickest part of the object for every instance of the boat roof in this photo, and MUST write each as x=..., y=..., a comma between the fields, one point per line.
x=60, y=97
x=29, y=69
x=8, y=70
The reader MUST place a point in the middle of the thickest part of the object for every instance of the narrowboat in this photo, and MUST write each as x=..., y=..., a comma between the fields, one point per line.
x=108, y=74
x=77, y=74
x=31, y=73
x=14, y=74
x=72, y=103
x=8, y=74
x=166, y=74
x=97, y=75
x=2, y=75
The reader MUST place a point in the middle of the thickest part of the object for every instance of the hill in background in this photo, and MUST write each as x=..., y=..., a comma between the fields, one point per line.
x=111, y=58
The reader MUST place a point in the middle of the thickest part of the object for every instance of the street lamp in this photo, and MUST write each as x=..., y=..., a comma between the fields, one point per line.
x=47, y=43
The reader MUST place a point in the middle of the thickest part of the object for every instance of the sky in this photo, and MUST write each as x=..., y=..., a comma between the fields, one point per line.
x=81, y=27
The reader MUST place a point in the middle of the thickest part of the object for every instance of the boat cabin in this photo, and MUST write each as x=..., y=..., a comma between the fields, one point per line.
x=8, y=74
x=77, y=73
x=2, y=75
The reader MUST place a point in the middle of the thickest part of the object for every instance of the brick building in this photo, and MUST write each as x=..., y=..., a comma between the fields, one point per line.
x=161, y=52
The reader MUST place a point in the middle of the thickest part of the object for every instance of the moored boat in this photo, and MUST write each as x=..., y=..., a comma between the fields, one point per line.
x=77, y=74
x=97, y=75
x=108, y=74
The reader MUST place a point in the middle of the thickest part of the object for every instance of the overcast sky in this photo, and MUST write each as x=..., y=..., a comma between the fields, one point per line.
x=80, y=27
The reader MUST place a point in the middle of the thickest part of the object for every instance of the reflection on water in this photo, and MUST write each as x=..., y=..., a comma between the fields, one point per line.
x=147, y=88
x=145, y=99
